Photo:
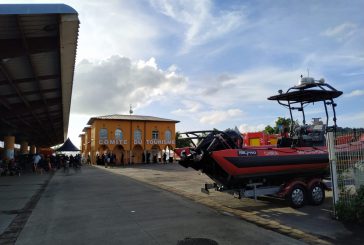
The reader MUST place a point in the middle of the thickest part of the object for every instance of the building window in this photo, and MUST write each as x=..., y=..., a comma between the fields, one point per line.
x=103, y=133
x=155, y=134
x=137, y=134
x=118, y=134
x=167, y=135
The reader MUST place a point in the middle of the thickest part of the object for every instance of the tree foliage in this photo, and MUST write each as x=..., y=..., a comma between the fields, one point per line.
x=280, y=124
x=352, y=210
x=269, y=130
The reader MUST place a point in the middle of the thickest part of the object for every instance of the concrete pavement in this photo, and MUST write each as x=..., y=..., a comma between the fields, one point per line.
x=312, y=224
x=93, y=206
x=18, y=197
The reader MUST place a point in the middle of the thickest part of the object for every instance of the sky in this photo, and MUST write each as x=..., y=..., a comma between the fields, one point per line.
x=212, y=64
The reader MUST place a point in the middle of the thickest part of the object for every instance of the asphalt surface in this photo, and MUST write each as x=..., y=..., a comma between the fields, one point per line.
x=94, y=206
x=312, y=224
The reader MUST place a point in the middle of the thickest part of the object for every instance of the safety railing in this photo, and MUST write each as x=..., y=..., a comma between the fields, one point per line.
x=346, y=153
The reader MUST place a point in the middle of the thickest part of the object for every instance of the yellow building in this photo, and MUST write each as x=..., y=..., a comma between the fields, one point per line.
x=130, y=138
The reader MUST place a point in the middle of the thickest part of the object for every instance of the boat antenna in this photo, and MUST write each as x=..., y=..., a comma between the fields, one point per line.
x=308, y=72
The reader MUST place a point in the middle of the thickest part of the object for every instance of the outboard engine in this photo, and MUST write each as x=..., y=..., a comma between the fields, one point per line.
x=215, y=140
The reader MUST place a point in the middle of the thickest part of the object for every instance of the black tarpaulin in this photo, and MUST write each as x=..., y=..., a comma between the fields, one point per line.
x=68, y=146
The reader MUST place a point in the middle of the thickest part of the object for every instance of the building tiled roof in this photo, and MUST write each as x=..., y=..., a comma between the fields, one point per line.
x=130, y=118
x=85, y=128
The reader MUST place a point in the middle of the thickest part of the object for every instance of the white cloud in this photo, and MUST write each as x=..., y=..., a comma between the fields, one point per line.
x=354, y=93
x=248, y=91
x=351, y=120
x=251, y=86
x=189, y=106
x=198, y=21
x=341, y=31
x=215, y=117
x=77, y=123
x=111, y=85
x=244, y=128
x=115, y=28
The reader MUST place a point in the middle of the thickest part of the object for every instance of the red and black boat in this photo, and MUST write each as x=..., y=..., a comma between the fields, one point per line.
x=299, y=159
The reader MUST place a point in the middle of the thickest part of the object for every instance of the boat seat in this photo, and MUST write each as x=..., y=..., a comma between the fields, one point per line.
x=284, y=142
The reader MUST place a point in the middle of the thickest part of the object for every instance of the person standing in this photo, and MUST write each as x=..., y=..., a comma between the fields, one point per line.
x=164, y=158
x=36, y=160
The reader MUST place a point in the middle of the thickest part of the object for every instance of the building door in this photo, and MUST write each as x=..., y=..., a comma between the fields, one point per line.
x=120, y=155
x=137, y=154
x=155, y=152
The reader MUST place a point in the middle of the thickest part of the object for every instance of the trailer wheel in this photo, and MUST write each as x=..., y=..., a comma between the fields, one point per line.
x=316, y=194
x=297, y=196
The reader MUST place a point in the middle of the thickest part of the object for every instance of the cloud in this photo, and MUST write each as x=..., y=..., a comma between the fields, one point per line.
x=251, y=86
x=341, y=31
x=244, y=128
x=351, y=120
x=354, y=93
x=189, y=106
x=199, y=22
x=115, y=28
x=228, y=97
x=109, y=86
x=215, y=117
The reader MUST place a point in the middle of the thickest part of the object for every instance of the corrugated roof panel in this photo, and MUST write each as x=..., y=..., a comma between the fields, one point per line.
x=18, y=68
x=14, y=100
x=27, y=87
x=53, y=107
x=33, y=97
x=39, y=26
x=8, y=27
x=30, y=70
x=52, y=95
x=50, y=84
x=36, y=9
x=44, y=63
x=5, y=90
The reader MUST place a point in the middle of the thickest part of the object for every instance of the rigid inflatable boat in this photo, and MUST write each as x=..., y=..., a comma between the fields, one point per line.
x=300, y=155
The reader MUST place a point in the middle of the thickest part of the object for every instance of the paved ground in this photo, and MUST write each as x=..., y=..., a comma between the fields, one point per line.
x=99, y=207
x=18, y=197
x=312, y=224
x=83, y=206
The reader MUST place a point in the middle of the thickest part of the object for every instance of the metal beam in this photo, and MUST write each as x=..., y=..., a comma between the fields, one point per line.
x=27, y=46
x=11, y=48
x=19, y=93
x=31, y=79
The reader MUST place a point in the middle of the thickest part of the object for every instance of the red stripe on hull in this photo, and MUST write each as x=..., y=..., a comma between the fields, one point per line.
x=223, y=159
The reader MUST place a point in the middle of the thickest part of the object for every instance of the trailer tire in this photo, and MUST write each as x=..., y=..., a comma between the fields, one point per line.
x=297, y=196
x=316, y=194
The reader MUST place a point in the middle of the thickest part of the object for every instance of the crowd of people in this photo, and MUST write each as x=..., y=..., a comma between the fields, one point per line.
x=9, y=168
x=109, y=159
x=38, y=163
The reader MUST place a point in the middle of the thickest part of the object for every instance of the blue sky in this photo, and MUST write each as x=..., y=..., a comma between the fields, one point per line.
x=212, y=64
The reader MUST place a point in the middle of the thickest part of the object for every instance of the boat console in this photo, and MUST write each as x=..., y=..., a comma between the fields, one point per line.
x=296, y=98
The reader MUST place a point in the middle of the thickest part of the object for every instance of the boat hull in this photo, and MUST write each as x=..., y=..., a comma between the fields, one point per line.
x=235, y=168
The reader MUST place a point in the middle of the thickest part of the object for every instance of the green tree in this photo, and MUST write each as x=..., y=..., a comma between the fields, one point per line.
x=280, y=124
x=269, y=130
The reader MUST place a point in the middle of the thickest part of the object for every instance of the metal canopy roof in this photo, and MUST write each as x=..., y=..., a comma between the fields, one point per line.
x=38, y=45
x=308, y=93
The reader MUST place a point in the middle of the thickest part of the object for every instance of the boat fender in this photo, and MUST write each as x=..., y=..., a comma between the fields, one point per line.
x=287, y=187
x=314, y=181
